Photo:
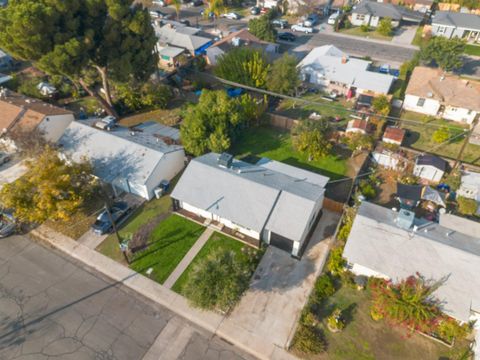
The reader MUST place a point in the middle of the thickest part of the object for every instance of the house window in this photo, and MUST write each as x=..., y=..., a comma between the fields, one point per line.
x=453, y=109
x=469, y=112
x=360, y=17
x=420, y=102
x=441, y=29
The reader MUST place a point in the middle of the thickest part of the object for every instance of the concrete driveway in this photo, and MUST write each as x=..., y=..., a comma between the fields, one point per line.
x=270, y=309
x=404, y=35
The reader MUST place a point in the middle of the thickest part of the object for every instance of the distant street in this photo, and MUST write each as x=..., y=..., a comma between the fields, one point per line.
x=50, y=306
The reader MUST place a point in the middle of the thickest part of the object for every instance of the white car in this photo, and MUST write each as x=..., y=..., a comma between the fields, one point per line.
x=231, y=16
x=333, y=18
x=159, y=3
x=302, y=28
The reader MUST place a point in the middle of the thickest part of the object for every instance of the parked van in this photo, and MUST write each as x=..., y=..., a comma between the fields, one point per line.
x=333, y=18
x=311, y=20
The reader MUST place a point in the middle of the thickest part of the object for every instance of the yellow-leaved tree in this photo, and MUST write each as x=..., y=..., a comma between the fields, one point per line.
x=52, y=188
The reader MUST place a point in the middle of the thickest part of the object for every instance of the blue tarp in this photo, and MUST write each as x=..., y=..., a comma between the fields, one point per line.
x=201, y=50
x=234, y=92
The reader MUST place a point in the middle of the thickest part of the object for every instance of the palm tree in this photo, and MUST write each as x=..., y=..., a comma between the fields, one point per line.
x=217, y=8
x=177, y=4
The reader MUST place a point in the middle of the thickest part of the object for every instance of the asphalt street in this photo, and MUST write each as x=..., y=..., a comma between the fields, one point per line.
x=52, y=307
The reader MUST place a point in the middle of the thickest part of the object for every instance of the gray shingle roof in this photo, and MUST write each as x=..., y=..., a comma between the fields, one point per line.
x=383, y=10
x=434, y=251
x=431, y=160
x=457, y=19
x=249, y=195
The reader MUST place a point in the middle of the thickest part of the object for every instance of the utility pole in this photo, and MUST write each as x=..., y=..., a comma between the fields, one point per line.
x=114, y=227
x=465, y=142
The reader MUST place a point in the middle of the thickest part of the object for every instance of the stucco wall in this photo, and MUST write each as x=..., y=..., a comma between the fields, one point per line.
x=430, y=107
x=169, y=166
x=459, y=114
x=54, y=126
x=355, y=19
x=428, y=172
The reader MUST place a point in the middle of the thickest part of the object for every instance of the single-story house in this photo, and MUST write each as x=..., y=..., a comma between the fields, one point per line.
x=330, y=68
x=470, y=186
x=371, y=13
x=409, y=196
x=169, y=56
x=393, y=135
x=417, y=5
x=432, y=92
x=269, y=201
x=181, y=36
x=18, y=112
x=359, y=126
x=240, y=38
x=395, y=245
x=430, y=167
x=6, y=61
x=133, y=160
x=388, y=159
x=456, y=24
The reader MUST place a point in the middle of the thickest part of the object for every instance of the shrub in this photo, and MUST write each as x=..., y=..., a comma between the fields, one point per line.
x=441, y=135
x=448, y=329
x=467, y=206
x=336, y=262
x=324, y=287
x=309, y=340
x=367, y=189
x=347, y=222
x=364, y=28
x=335, y=321
x=385, y=27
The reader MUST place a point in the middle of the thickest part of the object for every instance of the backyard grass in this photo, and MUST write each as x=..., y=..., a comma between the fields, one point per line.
x=80, y=221
x=419, y=137
x=356, y=31
x=167, y=117
x=89, y=104
x=215, y=242
x=168, y=244
x=142, y=215
x=472, y=50
x=366, y=339
x=258, y=142
x=297, y=109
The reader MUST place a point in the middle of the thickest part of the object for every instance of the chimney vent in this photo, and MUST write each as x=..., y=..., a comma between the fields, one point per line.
x=225, y=160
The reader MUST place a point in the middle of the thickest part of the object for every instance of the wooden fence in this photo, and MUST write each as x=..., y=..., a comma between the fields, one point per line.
x=333, y=205
x=281, y=122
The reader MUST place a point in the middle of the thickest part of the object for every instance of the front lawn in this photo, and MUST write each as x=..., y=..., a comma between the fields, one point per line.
x=372, y=33
x=420, y=134
x=419, y=39
x=363, y=338
x=258, y=142
x=168, y=244
x=215, y=242
x=472, y=50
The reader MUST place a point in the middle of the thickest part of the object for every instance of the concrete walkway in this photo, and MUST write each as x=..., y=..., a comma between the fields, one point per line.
x=187, y=259
x=92, y=240
x=210, y=321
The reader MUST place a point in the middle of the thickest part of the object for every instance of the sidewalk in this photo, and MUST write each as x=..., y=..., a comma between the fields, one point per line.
x=187, y=259
x=210, y=321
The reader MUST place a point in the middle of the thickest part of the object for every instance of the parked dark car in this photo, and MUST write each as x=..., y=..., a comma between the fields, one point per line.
x=197, y=3
x=7, y=224
x=103, y=225
x=286, y=36
x=255, y=10
x=185, y=22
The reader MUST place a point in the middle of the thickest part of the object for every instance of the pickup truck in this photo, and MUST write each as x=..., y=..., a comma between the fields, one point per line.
x=119, y=212
x=302, y=28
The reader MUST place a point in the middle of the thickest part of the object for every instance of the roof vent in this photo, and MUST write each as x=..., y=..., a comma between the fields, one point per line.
x=442, y=77
x=405, y=219
x=430, y=94
x=225, y=160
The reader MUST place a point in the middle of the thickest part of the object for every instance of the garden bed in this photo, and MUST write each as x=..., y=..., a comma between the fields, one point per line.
x=275, y=144
x=371, y=33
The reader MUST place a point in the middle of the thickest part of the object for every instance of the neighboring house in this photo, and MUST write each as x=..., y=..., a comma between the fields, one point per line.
x=181, y=36
x=470, y=186
x=395, y=245
x=6, y=61
x=26, y=114
x=359, y=126
x=409, y=196
x=330, y=68
x=371, y=13
x=432, y=92
x=393, y=135
x=430, y=167
x=456, y=24
x=388, y=159
x=422, y=6
x=270, y=201
x=240, y=38
x=169, y=56
x=133, y=160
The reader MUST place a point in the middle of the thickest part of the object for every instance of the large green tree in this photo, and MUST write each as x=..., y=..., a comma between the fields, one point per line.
x=310, y=138
x=244, y=65
x=52, y=188
x=112, y=38
x=284, y=76
x=263, y=28
x=446, y=53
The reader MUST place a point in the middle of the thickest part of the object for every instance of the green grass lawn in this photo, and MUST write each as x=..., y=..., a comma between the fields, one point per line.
x=142, y=215
x=420, y=137
x=419, y=40
x=472, y=50
x=258, y=142
x=364, y=338
x=168, y=244
x=88, y=103
x=356, y=31
x=298, y=109
x=216, y=241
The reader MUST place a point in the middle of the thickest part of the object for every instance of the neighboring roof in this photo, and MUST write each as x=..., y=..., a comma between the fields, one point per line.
x=456, y=19
x=118, y=154
x=383, y=10
x=180, y=37
x=394, y=133
x=433, y=83
x=471, y=179
x=27, y=113
x=332, y=64
x=431, y=160
x=170, y=51
x=409, y=192
x=252, y=196
x=361, y=124
x=434, y=251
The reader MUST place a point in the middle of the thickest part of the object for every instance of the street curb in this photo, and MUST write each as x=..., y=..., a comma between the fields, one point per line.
x=153, y=291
